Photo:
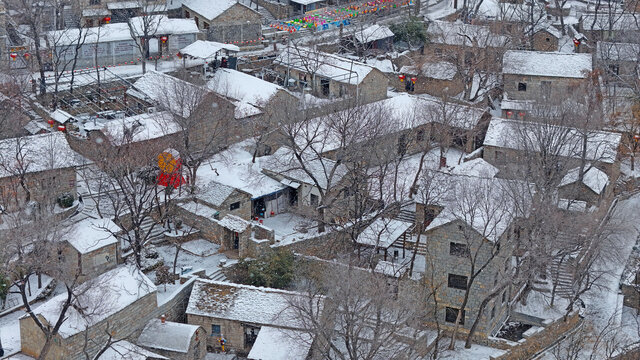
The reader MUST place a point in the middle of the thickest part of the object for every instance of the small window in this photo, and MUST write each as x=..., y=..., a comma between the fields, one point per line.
x=522, y=86
x=457, y=282
x=452, y=314
x=420, y=135
x=547, y=40
x=402, y=144
x=235, y=205
x=458, y=249
x=614, y=69
x=429, y=215
x=215, y=330
x=396, y=253
x=314, y=200
x=504, y=296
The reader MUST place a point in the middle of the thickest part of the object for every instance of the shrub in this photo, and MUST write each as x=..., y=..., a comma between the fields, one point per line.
x=65, y=200
x=273, y=270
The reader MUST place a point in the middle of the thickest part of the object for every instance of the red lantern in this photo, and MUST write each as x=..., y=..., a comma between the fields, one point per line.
x=107, y=19
x=13, y=56
x=413, y=80
x=509, y=113
x=164, y=39
x=51, y=122
x=636, y=137
x=521, y=114
x=61, y=128
x=401, y=77
x=576, y=42
x=26, y=56
x=179, y=55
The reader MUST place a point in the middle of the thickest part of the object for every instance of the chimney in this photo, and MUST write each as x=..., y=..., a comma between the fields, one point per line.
x=162, y=319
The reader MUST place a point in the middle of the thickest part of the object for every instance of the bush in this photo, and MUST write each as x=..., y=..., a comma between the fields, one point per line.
x=273, y=270
x=65, y=200
x=412, y=31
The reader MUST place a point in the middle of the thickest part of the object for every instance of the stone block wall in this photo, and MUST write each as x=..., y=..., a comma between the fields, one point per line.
x=558, y=88
x=232, y=331
x=44, y=186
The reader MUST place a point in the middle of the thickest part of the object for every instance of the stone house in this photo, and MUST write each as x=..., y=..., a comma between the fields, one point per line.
x=174, y=340
x=465, y=45
x=121, y=300
x=603, y=26
x=238, y=313
x=456, y=234
x=439, y=79
x=226, y=199
x=225, y=20
x=591, y=189
x=388, y=236
x=618, y=61
x=48, y=168
x=509, y=145
x=330, y=76
x=90, y=248
x=256, y=101
x=541, y=78
x=372, y=39
x=546, y=38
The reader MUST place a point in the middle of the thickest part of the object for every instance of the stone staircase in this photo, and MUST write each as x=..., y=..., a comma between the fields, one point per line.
x=156, y=236
x=407, y=212
x=218, y=275
x=69, y=18
x=562, y=275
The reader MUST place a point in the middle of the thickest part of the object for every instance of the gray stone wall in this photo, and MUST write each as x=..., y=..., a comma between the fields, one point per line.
x=558, y=88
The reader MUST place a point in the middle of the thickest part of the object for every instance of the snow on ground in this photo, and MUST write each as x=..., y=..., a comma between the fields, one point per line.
x=539, y=305
x=10, y=330
x=287, y=228
x=214, y=356
x=201, y=247
x=185, y=259
x=476, y=352
x=14, y=298
x=625, y=168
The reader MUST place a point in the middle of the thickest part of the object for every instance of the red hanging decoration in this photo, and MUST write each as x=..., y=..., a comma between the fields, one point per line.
x=164, y=39
x=51, y=122
x=61, y=128
x=13, y=56
x=509, y=113
x=27, y=55
x=576, y=42
x=401, y=77
x=636, y=137
x=413, y=80
x=521, y=114
x=107, y=19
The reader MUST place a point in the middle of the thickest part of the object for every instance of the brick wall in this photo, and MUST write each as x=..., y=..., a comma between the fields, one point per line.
x=558, y=88
x=44, y=186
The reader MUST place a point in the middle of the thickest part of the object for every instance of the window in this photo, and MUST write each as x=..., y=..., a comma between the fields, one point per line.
x=457, y=249
x=522, y=86
x=205, y=25
x=504, y=296
x=215, y=330
x=396, y=253
x=235, y=205
x=314, y=200
x=614, y=69
x=452, y=314
x=457, y=282
x=420, y=135
x=187, y=14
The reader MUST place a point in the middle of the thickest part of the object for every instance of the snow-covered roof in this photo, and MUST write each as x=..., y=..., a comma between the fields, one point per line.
x=383, y=232
x=160, y=25
x=35, y=126
x=552, y=64
x=170, y=336
x=389, y=268
x=613, y=21
x=476, y=167
x=610, y=51
x=481, y=203
x=61, y=116
x=104, y=296
x=280, y=344
x=210, y=9
x=373, y=33
x=401, y=112
x=461, y=34
x=324, y=65
x=203, y=49
x=243, y=303
x=545, y=26
x=140, y=128
x=199, y=209
x=234, y=167
x=95, y=12
x=41, y=152
x=214, y=193
x=602, y=146
x=124, y=350
x=244, y=88
x=442, y=70
x=306, y=2
x=92, y=234
x=284, y=162
x=119, y=5
x=594, y=178
x=234, y=223
x=168, y=92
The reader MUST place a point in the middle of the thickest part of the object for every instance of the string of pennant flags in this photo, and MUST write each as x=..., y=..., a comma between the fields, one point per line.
x=338, y=17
